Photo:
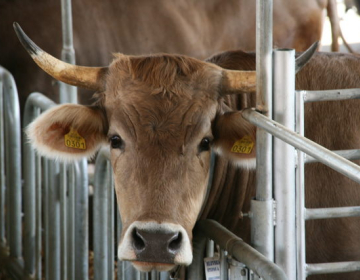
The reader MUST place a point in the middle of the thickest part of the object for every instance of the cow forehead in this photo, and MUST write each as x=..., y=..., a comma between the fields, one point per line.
x=162, y=74
x=161, y=94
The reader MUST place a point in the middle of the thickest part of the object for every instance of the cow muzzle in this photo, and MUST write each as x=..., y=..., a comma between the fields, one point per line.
x=154, y=246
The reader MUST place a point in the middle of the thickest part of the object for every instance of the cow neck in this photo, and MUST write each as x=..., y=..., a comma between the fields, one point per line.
x=208, y=188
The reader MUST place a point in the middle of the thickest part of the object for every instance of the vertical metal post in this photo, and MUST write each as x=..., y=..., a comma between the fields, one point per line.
x=32, y=193
x=2, y=168
x=54, y=221
x=300, y=193
x=284, y=162
x=262, y=230
x=101, y=202
x=68, y=94
x=38, y=213
x=29, y=195
x=82, y=220
x=120, y=264
x=110, y=225
x=46, y=214
x=71, y=222
x=13, y=168
x=210, y=248
x=223, y=265
x=63, y=221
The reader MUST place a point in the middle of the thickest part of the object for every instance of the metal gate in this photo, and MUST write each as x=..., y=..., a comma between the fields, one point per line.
x=55, y=196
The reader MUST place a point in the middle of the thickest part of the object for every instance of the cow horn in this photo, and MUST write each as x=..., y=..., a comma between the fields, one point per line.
x=86, y=77
x=304, y=58
x=235, y=82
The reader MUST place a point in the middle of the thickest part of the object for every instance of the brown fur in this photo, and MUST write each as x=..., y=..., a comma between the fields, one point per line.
x=191, y=27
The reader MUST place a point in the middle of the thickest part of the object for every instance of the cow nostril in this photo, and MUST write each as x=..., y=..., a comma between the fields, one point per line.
x=175, y=242
x=138, y=240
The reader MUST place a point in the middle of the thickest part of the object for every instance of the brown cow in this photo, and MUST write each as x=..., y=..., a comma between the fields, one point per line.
x=162, y=114
x=191, y=27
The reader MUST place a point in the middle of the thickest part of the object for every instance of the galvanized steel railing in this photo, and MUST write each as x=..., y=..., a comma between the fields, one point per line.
x=10, y=175
x=284, y=183
x=58, y=195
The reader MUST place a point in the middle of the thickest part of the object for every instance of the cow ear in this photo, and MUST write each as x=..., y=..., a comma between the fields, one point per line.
x=68, y=132
x=234, y=138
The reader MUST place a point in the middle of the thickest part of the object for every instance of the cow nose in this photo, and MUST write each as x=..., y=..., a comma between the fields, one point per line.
x=156, y=246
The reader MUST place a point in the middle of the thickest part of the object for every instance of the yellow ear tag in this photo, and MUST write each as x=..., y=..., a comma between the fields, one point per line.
x=243, y=146
x=74, y=140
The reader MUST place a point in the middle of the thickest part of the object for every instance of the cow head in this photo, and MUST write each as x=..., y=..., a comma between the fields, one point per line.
x=161, y=116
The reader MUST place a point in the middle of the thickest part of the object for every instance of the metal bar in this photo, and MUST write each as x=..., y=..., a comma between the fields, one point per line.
x=2, y=167
x=110, y=219
x=32, y=217
x=223, y=265
x=120, y=264
x=334, y=212
x=300, y=193
x=68, y=94
x=337, y=267
x=82, y=220
x=38, y=213
x=328, y=95
x=46, y=215
x=164, y=276
x=63, y=221
x=101, y=201
x=13, y=168
x=284, y=162
x=240, y=250
x=353, y=154
x=71, y=222
x=54, y=221
x=210, y=248
x=325, y=156
x=264, y=239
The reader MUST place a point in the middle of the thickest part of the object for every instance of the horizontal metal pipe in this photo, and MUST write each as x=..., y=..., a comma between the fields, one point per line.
x=328, y=95
x=322, y=154
x=348, y=154
x=337, y=267
x=334, y=212
x=237, y=248
x=38, y=100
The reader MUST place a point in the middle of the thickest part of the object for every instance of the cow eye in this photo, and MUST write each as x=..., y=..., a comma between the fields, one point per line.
x=205, y=144
x=116, y=142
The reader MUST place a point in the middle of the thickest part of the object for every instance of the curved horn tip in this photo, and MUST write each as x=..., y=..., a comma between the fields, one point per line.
x=305, y=57
x=28, y=44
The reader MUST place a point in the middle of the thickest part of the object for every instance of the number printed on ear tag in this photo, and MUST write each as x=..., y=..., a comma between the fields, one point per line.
x=74, y=140
x=243, y=146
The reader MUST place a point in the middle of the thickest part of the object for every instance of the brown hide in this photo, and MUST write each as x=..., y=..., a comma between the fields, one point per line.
x=332, y=124
x=195, y=28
